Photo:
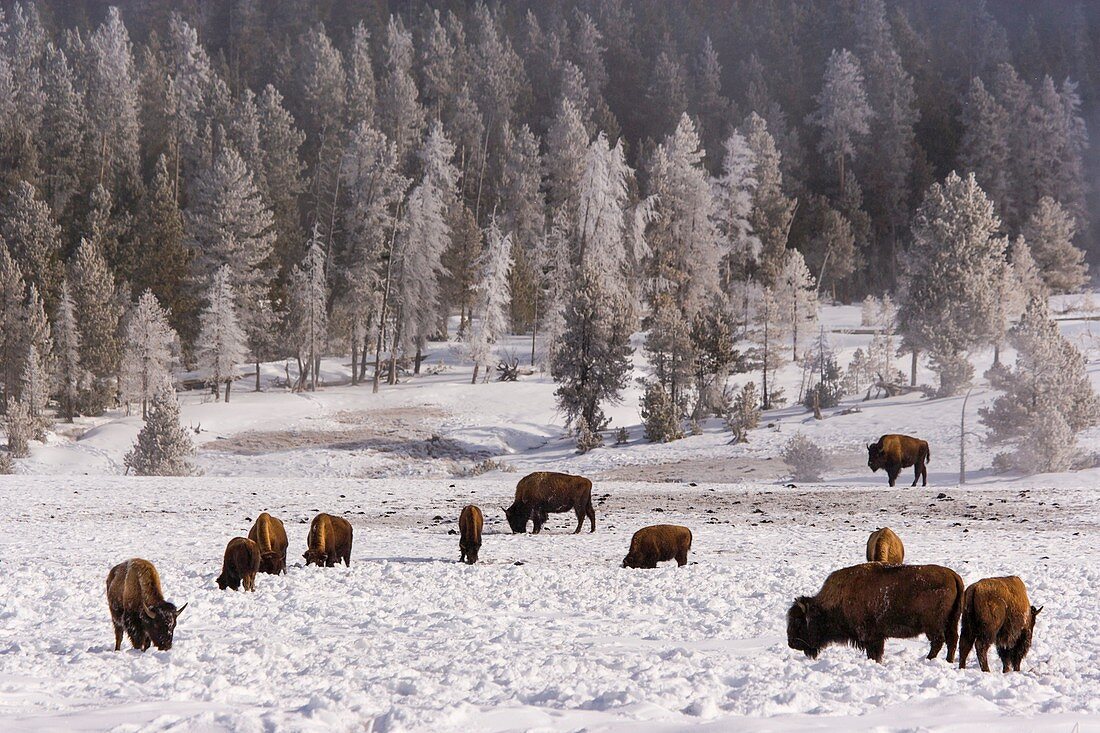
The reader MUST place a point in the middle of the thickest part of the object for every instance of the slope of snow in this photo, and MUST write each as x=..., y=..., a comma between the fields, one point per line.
x=407, y=639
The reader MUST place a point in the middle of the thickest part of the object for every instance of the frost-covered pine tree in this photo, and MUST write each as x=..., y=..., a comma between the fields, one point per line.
x=399, y=113
x=360, y=93
x=309, y=316
x=984, y=149
x=1047, y=398
x=35, y=389
x=805, y=458
x=842, y=113
x=221, y=346
x=163, y=447
x=772, y=210
x=660, y=415
x=12, y=290
x=70, y=376
x=493, y=294
x=19, y=426
x=553, y=267
x=1049, y=233
x=150, y=351
x=796, y=293
x=112, y=100
x=951, y=279
x=33, y=239
x=566, y=149
x=61, y=140
x=744, y=414
x=770, y=321
x=733, y=197
x=98, y=316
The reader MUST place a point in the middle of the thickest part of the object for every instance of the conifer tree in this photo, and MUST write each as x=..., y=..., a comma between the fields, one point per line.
x=843, y=113
x=98, y=316
x=151, y=348
x=33, y=239
x=493, y=294
x=1049, y=232
x=70, y=376
x=163, y=447
x=309, y=317
x=222, y=345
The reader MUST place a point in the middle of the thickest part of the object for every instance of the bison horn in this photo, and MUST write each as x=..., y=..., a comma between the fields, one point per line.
x=180, y=609
x=870, y=446
x=1035, y=611
x=148, y=611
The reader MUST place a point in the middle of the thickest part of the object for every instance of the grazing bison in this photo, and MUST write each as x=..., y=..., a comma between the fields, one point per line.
x=651, y=545
x=866, y=604
x=885, y=546
x=240, y=564
x=329, y=540
x=997, y=611
x=895, y=452
x=469, y=528
x=137, y=605
x=541, y=493
x=269, y=533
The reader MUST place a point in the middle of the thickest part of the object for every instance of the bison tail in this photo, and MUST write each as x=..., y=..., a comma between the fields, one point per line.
x=927, y=454
x=960, y=605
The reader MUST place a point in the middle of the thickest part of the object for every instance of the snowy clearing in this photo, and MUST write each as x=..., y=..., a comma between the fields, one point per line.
x=408, y=639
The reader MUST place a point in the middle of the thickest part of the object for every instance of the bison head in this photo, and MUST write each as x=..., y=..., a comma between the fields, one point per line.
x=315, y=557
x=471, y=553
x=160, y=623
x=517, y=517
x=802, y=631
x=269, y=562
x=875, y=458
x=629, y=561
x=226, y=581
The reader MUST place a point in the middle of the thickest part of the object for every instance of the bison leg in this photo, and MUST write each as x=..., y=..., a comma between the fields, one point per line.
x=591, y=512
x=580, y=512
x=937, y=645
x=118, y=634
x=916, y=474
x=965, y=645
x=893, y=474
x=875, y=649
x=681, y=558
x=924, y=473
x=952, y=634
x=983, y=654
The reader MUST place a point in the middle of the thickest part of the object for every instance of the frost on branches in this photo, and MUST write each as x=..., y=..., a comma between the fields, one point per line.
x=805, y=458
x=150, y=351
x=1047, y=397
x=660, y=415
x=163, y=447
x=221, y=345
x=492, y=298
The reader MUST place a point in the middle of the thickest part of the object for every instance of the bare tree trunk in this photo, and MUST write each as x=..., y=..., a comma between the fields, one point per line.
x=354, y=361
x=257, y=375
x=913, y=370
x=418, y=358
x=962, y=439
x=534, y=323
x=476, y=368
x=228, y=384
x=385, y=303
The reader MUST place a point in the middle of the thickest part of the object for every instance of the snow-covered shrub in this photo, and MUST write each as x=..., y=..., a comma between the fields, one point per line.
x=163, y=447
x=7, y=466
x=587, y=439
x=659, y=415
x=20, y=425
x=805, y=458
x=955, y=372
x=868, y=312
x=622, y=437
x=744, y=413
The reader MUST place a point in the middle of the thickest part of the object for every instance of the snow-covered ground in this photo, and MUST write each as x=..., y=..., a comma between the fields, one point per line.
x=546, y=633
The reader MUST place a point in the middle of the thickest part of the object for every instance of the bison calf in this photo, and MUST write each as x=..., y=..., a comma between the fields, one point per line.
x=329, y=540
x=895, y=452
x=240, y=564
x=543, y=493
x=885, y=546
x=137, y=605
x=866, y=604
x=651, y=545
x=469, y=528
x=270, y=535
x=997, y=611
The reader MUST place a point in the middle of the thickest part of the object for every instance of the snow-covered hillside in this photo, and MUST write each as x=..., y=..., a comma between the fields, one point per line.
x=547, y=632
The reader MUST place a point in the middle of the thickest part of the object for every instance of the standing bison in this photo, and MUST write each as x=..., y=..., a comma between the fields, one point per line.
x=885, y=546
x=866, y=604
x=895, y=452
x=651, y=545
x=137, y=605
x=997, y=611
x=541, y=493
x=469, y=528
x=329, y=541
x=240, y=565
x=270, y=535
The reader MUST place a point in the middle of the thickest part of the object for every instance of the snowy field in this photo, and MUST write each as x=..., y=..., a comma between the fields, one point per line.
x=546, y=633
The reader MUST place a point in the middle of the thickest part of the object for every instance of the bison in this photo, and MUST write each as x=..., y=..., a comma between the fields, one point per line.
x=660, y=542
x=137, y=605
x=269, y=533
x=885, y=546
x=240, y=564
x=541, y=493
x=997, y=611
x=895, y=452
x=329, y=540
x=866, y=604
x=469, y=528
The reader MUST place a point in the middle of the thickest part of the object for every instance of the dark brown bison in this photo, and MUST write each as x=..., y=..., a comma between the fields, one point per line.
x=996, y=611
x=240, y=564
x=866, y=604
x=329, y=540
x=542, y=493
x=270, y=535
x=885, y=546
x=137, y=605
x=895, y=452
x=469, y=528
x=660, y=542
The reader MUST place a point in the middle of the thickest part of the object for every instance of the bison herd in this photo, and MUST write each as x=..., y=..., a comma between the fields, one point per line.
x=860, y=606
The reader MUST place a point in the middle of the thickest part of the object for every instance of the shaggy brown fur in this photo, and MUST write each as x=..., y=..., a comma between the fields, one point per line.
x=885, y=546
x=997, y=611
x=866, y=604
x=660, y=542
x=269, y=533
x=895, y=452
x=137, y=606
x=542, y=493
x=469, y=528
x=329, y=540
x=240, y=564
